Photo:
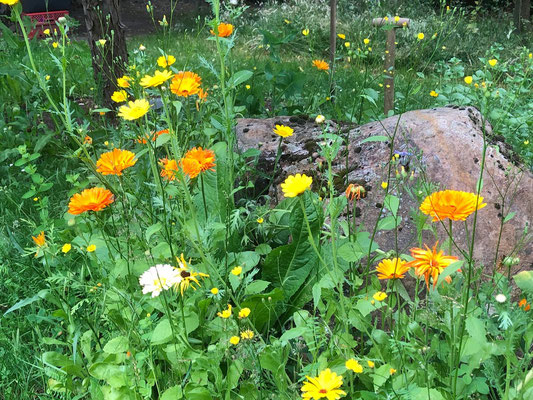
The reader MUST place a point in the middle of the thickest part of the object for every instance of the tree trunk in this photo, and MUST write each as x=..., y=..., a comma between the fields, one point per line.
x=110, y=59
x=522, y=12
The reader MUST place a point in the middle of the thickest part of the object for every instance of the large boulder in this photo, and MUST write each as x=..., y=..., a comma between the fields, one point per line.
x=446, y=149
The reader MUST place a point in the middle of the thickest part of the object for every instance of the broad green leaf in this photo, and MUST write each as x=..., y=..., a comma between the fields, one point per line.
x=392, y=203
x=117, y=345
x=450, y=269
x=476, y=328
x=354, y=251
x=524, y=280
x=377, y=138
x=388, y=223
x=240, y=77
x=256, y=287
x=162, y=332
x=25, y=302
x=152, y=229
x=292, y=333
x=173, y=393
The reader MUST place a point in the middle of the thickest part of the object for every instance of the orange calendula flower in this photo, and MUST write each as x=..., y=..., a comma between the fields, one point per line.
x=185, y=84
x=197, y=160
x=115, y=161
x=354, y=191
x=88, y=140
x=522, y=304
x=170, y=167
x=224, y=30
x=152, y=135
x=430, y=263
x=392, y=269
x=326, y=385
x=452, y=204
x=94, y=199
x=321, y=65
x=39, y=240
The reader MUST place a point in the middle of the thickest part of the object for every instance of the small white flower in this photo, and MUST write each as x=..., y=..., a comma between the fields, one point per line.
x=320, y=119
x=500, y=298
x=159, y=278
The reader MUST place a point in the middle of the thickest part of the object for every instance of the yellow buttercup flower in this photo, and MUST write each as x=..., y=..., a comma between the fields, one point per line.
x=167, y=61
x=421, y=36
x=366, y=40
x=371, y=364
x=214, y=291
x=55, y=45
x=119, y=96
x=157, y=79
x=225, y=313
x=354, y=366
x=326, y=385
x=305, y=32
x=347, y=44
x=134, y=110
x=341, y=35
x=380, y=296
x=396, y=18
x=244, y=313
x=47, y=32
x=433, y=94
x=384, y=185
x=9, y=2
x=493, y=62
x=91, y=248
x=124, y=82
x=260, y=220
x=468, y=80
x=295, y=185
x=283, y=131
x=247, y=334
x=237, y=270
x=102, y=42
x=234, y=340
x=66, y=248
x=392, y=371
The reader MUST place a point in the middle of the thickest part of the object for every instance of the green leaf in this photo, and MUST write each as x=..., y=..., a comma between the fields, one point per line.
x=509, y=217
x=256, y=287
x=524, y=280
x=392, y=203
x=476, y=329
x=25, y=302
x=292, y=334
x=377, y=138
x=289, y=266
x=450, y=269
x=354, y=251
x=173, y=393
x=117, y=345
x=152, y=229
x=162, y=332
x=239, y=77
x=388, y=223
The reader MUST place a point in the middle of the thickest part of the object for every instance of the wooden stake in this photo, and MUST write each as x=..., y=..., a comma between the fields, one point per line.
x=390, y=53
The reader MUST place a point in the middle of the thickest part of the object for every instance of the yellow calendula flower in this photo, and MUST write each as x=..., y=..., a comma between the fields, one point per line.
x=247, y=334
x=392, y=371
x=347, y=44
x=47, y=32
x=421, y=36
x=305, y=32
x=134, y=110
x=366, y=40
x=283, y=131
x=167, y=61
x=55, y=45
x=237, y=270
x=214, y=291
x=384, y=185
x=326, y=385
x=225, y=313
x=124, y=81
x=371, y=364
x=66, y=248
x=493, y=62
x=157, y=79
x=91, y=248
x=354, y=366
x=119, y=96
x=244, y=313
x=341, y=35
x=468, y=80
x=234, y=340
x=47, y=77
x=433, y=94
x=295, y=185
x=380, y=296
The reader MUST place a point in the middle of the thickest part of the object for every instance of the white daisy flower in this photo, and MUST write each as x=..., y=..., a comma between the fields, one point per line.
x=159, y=278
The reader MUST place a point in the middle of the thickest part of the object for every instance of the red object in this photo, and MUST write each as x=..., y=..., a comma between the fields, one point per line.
x=44, y=20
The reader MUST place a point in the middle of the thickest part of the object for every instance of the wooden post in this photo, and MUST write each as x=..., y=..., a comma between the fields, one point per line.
x=332, y=45
x=390, y=53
